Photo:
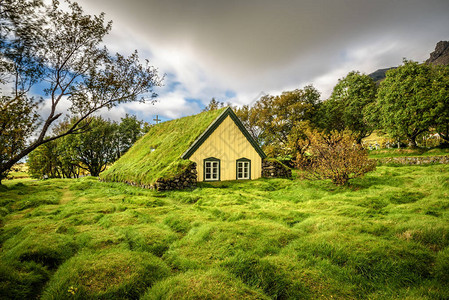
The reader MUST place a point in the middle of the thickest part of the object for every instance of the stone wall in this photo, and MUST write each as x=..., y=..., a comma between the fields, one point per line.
x=412, y=160
x=275, y=169
x=185, y=180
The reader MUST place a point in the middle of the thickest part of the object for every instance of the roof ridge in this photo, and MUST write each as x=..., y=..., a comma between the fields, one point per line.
x=214, y=125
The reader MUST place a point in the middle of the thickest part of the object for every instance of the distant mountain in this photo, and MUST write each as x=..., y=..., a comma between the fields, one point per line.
x=438, y=57
x=379, y=74
x=441, y=54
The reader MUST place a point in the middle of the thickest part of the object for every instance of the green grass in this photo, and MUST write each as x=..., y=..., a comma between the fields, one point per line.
x=386, y=236
x=156, y=155
x=381, y=153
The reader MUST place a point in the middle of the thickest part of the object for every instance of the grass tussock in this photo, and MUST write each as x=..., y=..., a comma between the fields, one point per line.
x=210, y=284
x=106, y=274
x=384, y=236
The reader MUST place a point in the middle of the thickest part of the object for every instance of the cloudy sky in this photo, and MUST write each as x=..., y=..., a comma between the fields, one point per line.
x=236, y=50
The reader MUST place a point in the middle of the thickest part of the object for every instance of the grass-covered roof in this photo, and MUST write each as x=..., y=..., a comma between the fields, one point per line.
x=157, y=154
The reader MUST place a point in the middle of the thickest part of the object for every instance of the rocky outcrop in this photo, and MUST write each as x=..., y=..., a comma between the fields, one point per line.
x=419, y=160
x=441, y=54
x=272, y=168
x=438, y=57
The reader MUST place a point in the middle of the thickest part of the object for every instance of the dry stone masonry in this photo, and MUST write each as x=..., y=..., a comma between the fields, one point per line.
x=185, y=180
x=410, y=160
x=275, y=169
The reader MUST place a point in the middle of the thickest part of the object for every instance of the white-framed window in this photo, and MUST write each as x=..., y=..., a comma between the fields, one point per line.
x=211, y=169
x=243, y=168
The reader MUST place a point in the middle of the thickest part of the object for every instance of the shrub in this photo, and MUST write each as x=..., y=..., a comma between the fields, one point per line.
x=337, y=156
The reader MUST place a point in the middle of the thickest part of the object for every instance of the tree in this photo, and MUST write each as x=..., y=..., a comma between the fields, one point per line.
x=249, y=118
x=43, y=161
x=440, y=92
x=406, y=105
x=102, y=143
x=63, y=59
x=348, y=106
x=95, y=149
x=214, y=105
x=337, y=156
x=278, y=115
x=129, y=130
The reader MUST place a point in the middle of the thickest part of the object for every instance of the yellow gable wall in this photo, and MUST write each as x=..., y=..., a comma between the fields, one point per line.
x=227, y=143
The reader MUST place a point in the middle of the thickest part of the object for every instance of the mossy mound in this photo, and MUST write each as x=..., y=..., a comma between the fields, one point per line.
x=108, y=274
x=158, y=153
x=212, y=284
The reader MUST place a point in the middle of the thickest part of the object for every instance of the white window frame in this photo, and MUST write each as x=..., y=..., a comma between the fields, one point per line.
x=243, y=169
x=211, y=169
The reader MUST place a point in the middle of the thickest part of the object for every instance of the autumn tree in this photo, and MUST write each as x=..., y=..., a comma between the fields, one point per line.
x=406, y=103
x=278, y=115
x=250, y=119
x=59, y=52
x=349, y=106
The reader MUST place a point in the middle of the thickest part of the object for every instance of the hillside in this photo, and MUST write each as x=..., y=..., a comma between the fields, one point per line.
x=438, y=57
x=385, y=237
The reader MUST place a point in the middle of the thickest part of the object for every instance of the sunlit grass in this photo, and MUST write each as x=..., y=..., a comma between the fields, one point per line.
x=384, y=236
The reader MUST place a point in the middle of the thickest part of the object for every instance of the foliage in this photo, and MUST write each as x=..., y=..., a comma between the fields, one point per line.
x=157, y=154
x=440, y=92
x=45, y=161
x=338, y=157
x=274, y=117
x=65, y=60
x=348, y=106
x=214, y=105
x=18, y=119
x=406, y=103
x=128, y=132
x=249, y=117
x=101, y=144
x=94, y=149
x=384, y=237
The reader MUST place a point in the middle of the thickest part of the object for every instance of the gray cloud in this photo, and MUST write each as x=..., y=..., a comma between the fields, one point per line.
x=253, y=46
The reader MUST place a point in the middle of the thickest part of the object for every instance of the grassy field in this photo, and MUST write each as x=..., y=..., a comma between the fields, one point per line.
x=381, y=153
x=385, y=236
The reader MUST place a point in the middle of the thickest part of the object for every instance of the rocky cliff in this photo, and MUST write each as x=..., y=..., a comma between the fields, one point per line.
x=441, y=54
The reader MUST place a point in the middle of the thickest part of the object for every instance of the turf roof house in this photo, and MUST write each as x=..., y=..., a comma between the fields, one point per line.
x=215, y=142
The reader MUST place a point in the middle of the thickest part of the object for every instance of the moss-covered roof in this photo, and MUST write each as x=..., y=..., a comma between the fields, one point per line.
x=158, y=153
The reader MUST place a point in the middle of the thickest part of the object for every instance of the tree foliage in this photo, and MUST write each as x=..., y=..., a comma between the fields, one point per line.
x=102, y=143
x=214, y=105
x=440, y=93
x=272, y=118
x=337, y=156
x=60, y=52
x=348, y=106
x=406, y=103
